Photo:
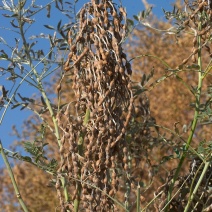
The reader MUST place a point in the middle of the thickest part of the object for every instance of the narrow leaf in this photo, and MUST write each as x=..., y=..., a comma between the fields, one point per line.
x=49, y=27
x=58, y=25
x=43, y=102
x=48, y=8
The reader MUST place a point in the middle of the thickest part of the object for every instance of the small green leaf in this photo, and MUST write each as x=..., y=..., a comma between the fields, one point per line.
x=25, y=105
x=139, y=91
x=3, y=56
x=136, y=17
x=130, y=22
x=49, y=27
x=58, y=25
x=143, y=79
x=16, y=105
x=43, y=101
x=45, y=144
x=27, y=158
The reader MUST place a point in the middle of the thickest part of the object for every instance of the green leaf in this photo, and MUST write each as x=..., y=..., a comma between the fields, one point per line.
x=27, y=158
x=139, y=91
x=26, y=98
x=130, y=22
x=16, y=105
x=49, y=27
x=4, y=91
x=3, y=56
x=58, y=25
x=143, y=79
x=45, y=144
x=136, y=17
x=25, y=105
x=166, y=158
x=43, y=101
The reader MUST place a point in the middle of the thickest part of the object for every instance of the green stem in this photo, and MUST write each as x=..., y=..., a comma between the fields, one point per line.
x=80, y=152
x=149, y=55
x=194, y=123
x=207, y=164
x=41, y=88
x=18, y=195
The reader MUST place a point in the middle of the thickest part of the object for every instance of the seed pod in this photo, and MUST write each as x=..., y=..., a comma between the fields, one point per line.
x=95, y=180
x=193, y=58
x=113, y=183
x=57, y=185
x=111, y=130
x=195, y=51
x=185, y=61
x=58, y=88
x=111, y=193
x=107, y=163
x=123, y=130
x=125, y=167
x=85, y=204
x=125, y=159
x=195, y=41
x=93, y=148
x=114, y=175
x=121, y=70
x=125, y=150
x=186, y=23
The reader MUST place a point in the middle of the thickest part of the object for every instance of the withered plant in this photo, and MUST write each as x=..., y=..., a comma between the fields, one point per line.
x=99, y=144
x=96, y=131
x=96, y=153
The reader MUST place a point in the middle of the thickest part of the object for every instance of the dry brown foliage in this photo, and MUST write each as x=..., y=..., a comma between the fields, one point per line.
x=110, y=140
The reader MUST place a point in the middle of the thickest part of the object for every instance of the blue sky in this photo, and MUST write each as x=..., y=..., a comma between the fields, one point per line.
x=16, y=117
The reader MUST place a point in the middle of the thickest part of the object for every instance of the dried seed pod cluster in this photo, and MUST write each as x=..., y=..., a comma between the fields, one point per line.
x=191, y=21
x=93, y=145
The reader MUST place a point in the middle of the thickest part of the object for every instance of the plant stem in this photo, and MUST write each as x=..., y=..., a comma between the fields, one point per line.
x=194, y=122
x=18, y=195
x=41, y=88
x=80, y=152
x=197, y=186
x=138, y=207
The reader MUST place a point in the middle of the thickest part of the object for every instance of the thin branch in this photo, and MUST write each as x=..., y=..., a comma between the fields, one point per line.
x=17, y=192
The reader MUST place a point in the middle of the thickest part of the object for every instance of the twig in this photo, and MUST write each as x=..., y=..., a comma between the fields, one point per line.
x=18, y=195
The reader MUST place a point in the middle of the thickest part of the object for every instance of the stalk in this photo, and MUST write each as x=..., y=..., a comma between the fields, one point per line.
x=207, y=164
x=80, y=151
x=17, y=192
x=47, y=102
x=138, y=207
x=194, y=122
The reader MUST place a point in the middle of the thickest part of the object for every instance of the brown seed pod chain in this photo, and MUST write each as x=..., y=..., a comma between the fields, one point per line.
x=93, y=139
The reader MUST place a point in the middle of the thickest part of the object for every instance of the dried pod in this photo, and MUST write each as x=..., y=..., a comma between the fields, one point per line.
x=113, y=183
x=111, y=193
x=126, y=167
x=95, y=20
